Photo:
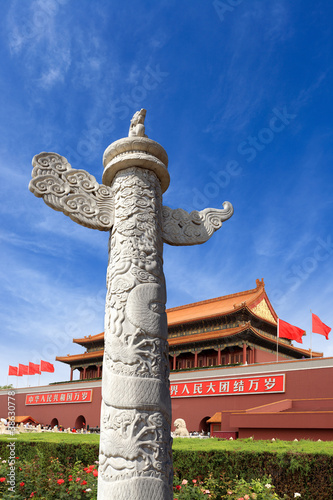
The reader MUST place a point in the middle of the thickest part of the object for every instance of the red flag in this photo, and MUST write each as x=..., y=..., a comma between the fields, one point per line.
x=12, y=370
x=319, y=327
x=291, y=332
x=23, y=370
x=46, y=367
x=33, y=369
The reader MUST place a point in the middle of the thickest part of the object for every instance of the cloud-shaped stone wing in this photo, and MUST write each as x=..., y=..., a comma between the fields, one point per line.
x=183, y=228
x=76, y=193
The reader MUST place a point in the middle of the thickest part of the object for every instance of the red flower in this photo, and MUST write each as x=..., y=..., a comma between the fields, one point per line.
x=2, y=479
x=60, y=481
x=33, y=494
x=70, y=478
x=84, y=482
x=95, y=472
x=78, y=479
x=22, y=484
x=178, y=487
x=194, y=481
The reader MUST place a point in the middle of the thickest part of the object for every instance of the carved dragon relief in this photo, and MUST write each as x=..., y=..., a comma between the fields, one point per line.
x=136, y=257
x=131, y=434
x=78, y=195
x=135, y=356
x=136, y=445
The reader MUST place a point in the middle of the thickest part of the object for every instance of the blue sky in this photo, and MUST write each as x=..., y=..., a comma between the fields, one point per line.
x=237, y=92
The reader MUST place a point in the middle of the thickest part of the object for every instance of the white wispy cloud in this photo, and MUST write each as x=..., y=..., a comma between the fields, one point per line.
x=70, y=67
x=53, y=224
x=34, y=39
x=275, y=19
x=50, y=77
x=245, y=83
x=43, y=313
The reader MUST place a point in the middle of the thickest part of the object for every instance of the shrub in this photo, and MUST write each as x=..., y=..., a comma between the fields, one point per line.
x=49, y=480
x=190, y=490
x=258, y=489
x=309, y=475
x=68, y=453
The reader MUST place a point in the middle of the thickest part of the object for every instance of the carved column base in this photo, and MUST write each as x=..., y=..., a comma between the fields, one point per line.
x=135, y=489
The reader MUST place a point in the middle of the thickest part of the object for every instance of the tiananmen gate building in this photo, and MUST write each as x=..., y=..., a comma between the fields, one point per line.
x=225, y=376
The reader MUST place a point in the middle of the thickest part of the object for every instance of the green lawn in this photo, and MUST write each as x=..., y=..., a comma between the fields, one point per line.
x=53, y=437
x=303, y=446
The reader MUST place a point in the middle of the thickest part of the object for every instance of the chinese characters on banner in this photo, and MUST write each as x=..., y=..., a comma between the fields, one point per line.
x=59, y=397
x=242, y=385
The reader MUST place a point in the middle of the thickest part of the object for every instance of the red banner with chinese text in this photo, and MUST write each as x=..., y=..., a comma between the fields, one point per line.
x=226, y=387
x=59, y=397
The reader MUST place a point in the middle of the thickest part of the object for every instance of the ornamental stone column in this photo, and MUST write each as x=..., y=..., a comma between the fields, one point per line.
x=135, y=461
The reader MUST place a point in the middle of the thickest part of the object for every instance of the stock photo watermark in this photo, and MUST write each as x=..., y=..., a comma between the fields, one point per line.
x=220, y=180
x=265, y=136
x=88, y=310
x=248, y=149
x=120, y=108
x=300, y=272
x=225, y=7
x=39, y=22
x=11, y=446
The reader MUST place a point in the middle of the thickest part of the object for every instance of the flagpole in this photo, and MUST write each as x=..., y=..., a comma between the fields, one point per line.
x=277, y=342
x=311, y=338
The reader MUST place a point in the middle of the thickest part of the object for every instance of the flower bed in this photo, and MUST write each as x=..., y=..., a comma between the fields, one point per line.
x=216, y=473
x=238, y=489
x=54, y=480
x=50, y=481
